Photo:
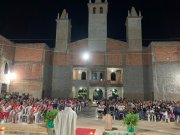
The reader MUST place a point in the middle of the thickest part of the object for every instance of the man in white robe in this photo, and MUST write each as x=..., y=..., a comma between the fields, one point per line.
x=65, y=121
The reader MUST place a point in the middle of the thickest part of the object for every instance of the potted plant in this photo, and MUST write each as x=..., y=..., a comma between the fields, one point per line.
x=49, y=117
x=131, y=121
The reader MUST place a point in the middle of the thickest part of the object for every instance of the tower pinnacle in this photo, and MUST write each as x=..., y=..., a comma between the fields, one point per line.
x=63, y=32
x=133, y=12
x=64, y=14
x=134, y=30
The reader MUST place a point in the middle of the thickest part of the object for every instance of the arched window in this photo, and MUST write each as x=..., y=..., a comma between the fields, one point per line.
x=101, y=76
x=94, y=10
x=97, y=94
x=82, y=93
x=6, y=69
x=115, y=94
x=94, y=76
x=101, y=10
x=113, y=76
x=83, y=76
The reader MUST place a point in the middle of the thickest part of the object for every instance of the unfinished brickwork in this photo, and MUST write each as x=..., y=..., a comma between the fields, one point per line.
x=29, y=63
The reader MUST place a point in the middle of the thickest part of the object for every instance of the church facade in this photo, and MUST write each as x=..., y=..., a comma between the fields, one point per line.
x=97, y=65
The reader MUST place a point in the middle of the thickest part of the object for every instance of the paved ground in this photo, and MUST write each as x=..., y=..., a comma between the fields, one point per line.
x=87, y=119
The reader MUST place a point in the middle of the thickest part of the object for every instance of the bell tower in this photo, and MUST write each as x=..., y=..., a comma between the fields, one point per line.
x=134, y=30
x=97, y=25
x=63, y=32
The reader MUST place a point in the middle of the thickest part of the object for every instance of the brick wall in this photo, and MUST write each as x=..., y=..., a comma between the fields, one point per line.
x=166, y=62
x=8, y=52
x=60, y=58
x=97, y=59
x=28, y=54
x=167, y=53
x=7, y=49
x=113, y=44
x=114, y=58
x=28, y=87
x=48, y=56
x=29, y=66
x=134, y=58
x=28, y=71
x=80, y=45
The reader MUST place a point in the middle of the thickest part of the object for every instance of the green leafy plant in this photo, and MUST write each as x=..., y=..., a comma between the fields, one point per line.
x=131, y=120
x=50, y=115
x=83, y=93
x=97, y=94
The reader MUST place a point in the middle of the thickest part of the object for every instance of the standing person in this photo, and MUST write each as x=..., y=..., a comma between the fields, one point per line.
x=65, y=121
x=177, y=112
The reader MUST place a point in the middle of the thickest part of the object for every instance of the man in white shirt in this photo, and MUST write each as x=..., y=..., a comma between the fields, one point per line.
x=65, y=121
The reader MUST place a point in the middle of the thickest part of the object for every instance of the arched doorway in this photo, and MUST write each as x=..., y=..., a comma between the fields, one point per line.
x=97, y=94
x=82, y=93
x=115, y=94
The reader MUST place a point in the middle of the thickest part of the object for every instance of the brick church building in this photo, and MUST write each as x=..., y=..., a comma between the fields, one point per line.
x=96, y=64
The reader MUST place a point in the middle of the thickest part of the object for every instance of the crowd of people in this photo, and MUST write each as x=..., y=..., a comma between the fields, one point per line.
x=147, y=110
x=24, y=108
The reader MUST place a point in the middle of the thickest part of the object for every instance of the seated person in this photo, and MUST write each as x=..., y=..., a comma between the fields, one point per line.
x=121, y=110
x=100, y=109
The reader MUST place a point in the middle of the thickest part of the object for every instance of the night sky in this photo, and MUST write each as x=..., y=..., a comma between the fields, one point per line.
x=34, y=20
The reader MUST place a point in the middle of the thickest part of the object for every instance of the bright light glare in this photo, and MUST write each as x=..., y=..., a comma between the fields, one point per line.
x=6, y=76
x=177, y=75
x=86, y=56
x=12, y=76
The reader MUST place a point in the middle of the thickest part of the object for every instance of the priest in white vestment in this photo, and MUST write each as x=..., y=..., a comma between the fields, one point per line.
x=65, y=121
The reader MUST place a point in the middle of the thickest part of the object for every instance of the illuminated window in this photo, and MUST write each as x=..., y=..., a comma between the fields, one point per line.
x=94, y=76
